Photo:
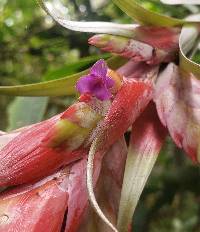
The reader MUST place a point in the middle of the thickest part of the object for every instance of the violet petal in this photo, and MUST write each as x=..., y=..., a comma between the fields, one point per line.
x=102, y=93
x=84, y=84
x=99, y=68
x=97, y=83
x=109, y=83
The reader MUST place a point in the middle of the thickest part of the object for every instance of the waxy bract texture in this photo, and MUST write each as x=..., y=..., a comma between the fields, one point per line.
x=26, y=158
x=123, y=112
x=177, y=101
x=43, y=148
x=153, y=45
x=38, y=207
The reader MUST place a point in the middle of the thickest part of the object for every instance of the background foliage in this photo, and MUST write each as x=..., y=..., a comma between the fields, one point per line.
x=33, y=48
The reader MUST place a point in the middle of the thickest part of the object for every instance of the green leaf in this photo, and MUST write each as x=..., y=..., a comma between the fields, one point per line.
x=60, y=87
x=74, y=67
x=24, y=111
x=58, y=12
x=189, y=38
x=147, y=17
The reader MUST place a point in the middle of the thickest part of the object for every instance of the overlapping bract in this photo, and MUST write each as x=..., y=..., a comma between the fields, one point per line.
x=41, y=149
x=153, y=45
x=147, y=138
x=177, y=100
x=33, y=207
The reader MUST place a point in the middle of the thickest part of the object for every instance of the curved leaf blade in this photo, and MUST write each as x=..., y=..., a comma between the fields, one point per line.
x=144, y=16
x=147, y=17
x=188, y=38
x=58, y=13
x=60, y=87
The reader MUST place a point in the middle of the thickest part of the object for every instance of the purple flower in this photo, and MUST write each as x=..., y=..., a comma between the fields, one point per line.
x=97, y=83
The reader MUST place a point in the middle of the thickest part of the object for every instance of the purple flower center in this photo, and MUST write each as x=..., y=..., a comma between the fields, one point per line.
x=96, y=83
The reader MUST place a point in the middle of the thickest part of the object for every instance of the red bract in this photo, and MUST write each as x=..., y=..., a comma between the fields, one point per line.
x=38, y=207
x=26, y=158
x=128, y=104
x=7, y=137
x=41, y=206
x=145, y=127
x=41, y=149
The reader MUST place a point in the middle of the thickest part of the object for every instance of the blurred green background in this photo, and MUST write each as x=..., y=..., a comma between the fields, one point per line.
x=33, y=48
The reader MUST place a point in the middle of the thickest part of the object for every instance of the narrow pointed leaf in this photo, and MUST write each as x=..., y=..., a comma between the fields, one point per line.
x=58, y=13
x=61, y=87
x=133, y=9
x=147, y=138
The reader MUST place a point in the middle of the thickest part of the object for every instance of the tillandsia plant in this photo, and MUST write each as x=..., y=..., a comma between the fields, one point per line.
x=55, y=174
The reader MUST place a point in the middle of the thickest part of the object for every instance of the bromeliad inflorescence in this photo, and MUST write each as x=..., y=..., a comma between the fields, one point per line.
x=58, y=166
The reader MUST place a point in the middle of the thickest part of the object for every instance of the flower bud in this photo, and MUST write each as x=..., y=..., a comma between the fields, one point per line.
x=150, y=44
